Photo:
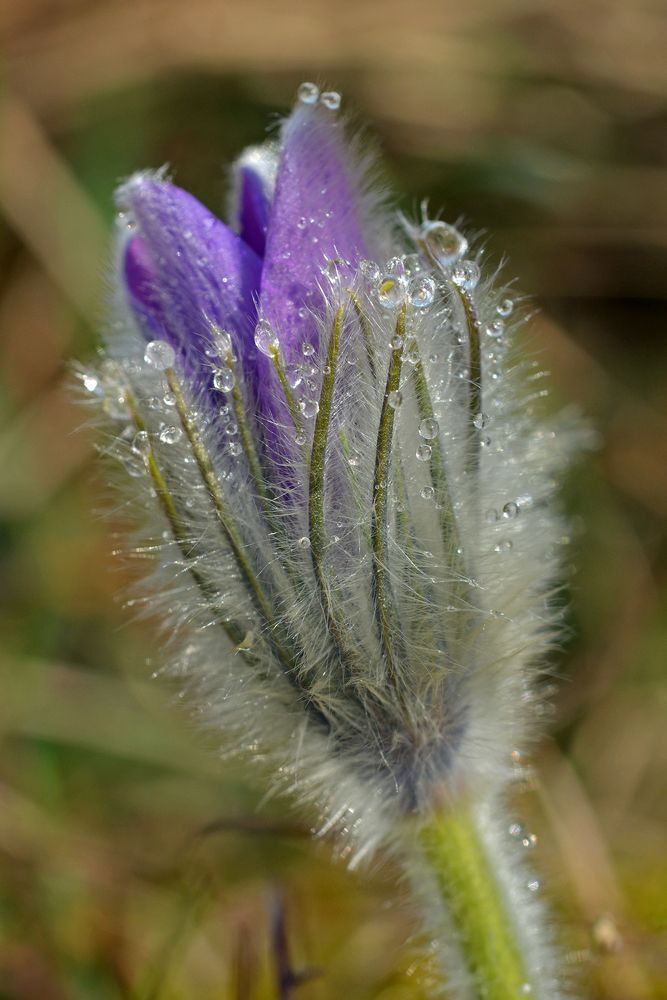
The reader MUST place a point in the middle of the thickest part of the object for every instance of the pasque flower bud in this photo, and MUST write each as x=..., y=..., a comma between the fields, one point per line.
x=336, y=442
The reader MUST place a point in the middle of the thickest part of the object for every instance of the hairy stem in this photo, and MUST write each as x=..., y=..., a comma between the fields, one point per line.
x=473, y=325
x=484, y=928
x=379, y=541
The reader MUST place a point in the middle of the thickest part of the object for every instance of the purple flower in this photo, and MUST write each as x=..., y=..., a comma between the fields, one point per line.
x=348, y=490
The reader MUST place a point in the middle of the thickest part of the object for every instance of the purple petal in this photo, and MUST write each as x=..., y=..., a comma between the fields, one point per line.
x=184, y=269
x=315, y=217
x=254, y=182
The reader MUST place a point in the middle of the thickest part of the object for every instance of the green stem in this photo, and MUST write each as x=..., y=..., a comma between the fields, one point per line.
x=475, y=902
x=473, y=324
x=381, y=585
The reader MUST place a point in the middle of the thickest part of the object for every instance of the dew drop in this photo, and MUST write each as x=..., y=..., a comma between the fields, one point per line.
x=496, y=329
x=423, y=453
x=169, y=399
x=308, y=93
x=534, y=885
x=170, y=433
x=304, y=542
x=444, y=242
x=141, y=444
x=231, y=428
x=332, y=270
x=412, y=263
x=421, y=291
x=302, y=223
x=294, y=375
x=394, y=399
x=221, y=343
x=511, y=510
x=502, y=548
x=390, y=291
x=235, y=448
x=505, y=308
x=309, y=407
x=427, y=493
x=300, y=436
x=92, y=385
x=224, y=379
x=159, y=355
x=265, y=338
x=396, y=342
x=480, y=421
x=369, y=269
x=307, y=349
x=428, y=428
x=331, y=99
x=466, y=275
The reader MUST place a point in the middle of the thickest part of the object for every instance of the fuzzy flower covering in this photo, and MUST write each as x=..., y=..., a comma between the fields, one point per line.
x=334, y=442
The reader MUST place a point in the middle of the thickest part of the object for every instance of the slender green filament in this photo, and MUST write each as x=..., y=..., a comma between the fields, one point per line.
x=476, y=904
x=225, y=518
x=475, y=364
x=379, y=542
x=287, y=391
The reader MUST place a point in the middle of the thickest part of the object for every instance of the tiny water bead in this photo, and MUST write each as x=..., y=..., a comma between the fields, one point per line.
x=332, y=269
x=307, y=349
x=423, y=453
x=266, y=339
x=170, y=434
x=369, y=269
x=511, y=510
x=224, y=379
x=304, y=542
x=428, y=428
x=221, y=343
x=444, y=242
x=480, y=421
x=504, y=547
x=395, y=398
x=294, y=375
x=427, y=493
x=396, y=342
x=466, y=275
x=330, y=99
x=308, y=93
x=496, y=328
x=159, y=355
x=505, y=308
x=309, y=407
x=421, y=291
x=235, y=448
x=391, y=291
x=141, y=444
x=92, y=385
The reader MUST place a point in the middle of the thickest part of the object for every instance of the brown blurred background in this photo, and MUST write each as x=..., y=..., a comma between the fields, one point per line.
x=132, y=863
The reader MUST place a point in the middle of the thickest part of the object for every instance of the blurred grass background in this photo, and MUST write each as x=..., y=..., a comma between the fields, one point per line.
x=133, y=864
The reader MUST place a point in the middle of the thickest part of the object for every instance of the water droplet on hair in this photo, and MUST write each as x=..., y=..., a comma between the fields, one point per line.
x=231, y=428
x=511, y=510
x=394, y=399
x=330, y=99
x=332, y=270
x=427, y=493
x=369, y=269
x=423, y=453
x=496, y=328
x=300, y=436
x=502, y=548
x=304, y=542
x=170, y=433
x=308, y=93
x=390, y=291
x=221, y=343
x=534, y=885
x=224, y=379
x=302, y=223
x=169, y=399
x=307, y=349
x=466, y=275
x=309, y=407
x=235, y=448
x=428, y=428
x=412, y=263
x=92, y=384
x=480, y=421
x=396, y=342
x=444, y=242
x=159, y=355
x=141, y=444
x=294, y=375
x=265, y=338
x=505, y=307
x=421, y=291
